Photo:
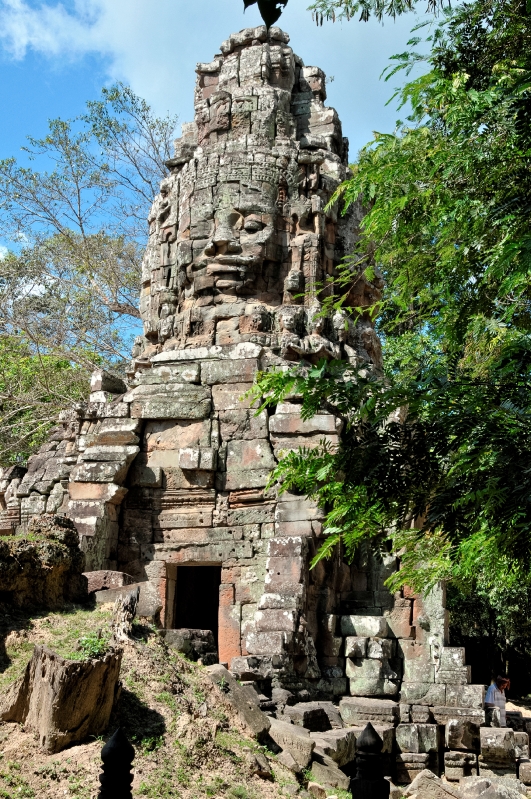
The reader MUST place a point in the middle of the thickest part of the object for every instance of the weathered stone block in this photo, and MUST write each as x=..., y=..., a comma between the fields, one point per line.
x=459, y=676
x=444, y=714
x=410, y=765
x=371, y=678
x=309, y=715
x=105, y=453
x=174, y=373
x=497, y=744
x=271, y=620
x=355, y=647
x=145, y=476
x=379, y=648
x=364, y=626
x=407, y=738
x=418, y=671
x=267, y=643
x=452, y=657
x=232, y=397
x=254, y=514
x=465, y=696
x=328, y=774
x=96, y=492
x=301, y=510
x=524, y=772
x=118, y=431
x=423, y=693
x=114, y=472
x=189, y=402
x=289, y=424
x=293, y=739
x=233, y=371
x=399, y=621
x=458, y=765
x=461, y=734
x=242, y=424
x=232, y=692
x=338, y=744
x=428, y=786
x=356, y=709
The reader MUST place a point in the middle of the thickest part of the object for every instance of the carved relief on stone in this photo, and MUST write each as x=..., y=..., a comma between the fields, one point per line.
x=240, y=221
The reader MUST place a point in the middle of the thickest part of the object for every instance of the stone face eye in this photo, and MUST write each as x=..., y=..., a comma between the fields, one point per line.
x=253, y=225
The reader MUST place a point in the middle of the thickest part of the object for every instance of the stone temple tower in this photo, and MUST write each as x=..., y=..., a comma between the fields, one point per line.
x=166, y=477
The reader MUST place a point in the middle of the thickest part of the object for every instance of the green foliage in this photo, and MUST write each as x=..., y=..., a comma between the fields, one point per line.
x=333, y=10
x=435, y=460
x=73, y=218
x=34, y=388
x=93, y=645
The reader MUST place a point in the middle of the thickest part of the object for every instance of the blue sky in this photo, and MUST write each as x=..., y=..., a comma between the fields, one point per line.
x=55, y=56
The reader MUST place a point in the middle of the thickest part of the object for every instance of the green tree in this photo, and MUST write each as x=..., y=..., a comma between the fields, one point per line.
x=74, y=219
x=436, y=458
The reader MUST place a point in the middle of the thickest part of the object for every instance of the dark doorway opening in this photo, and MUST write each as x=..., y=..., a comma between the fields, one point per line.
x=197, y=598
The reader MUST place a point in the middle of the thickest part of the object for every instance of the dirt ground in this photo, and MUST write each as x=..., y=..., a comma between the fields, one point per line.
x=187, y=743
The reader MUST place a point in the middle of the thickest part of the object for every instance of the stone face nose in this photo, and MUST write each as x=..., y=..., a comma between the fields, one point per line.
x=224, y=240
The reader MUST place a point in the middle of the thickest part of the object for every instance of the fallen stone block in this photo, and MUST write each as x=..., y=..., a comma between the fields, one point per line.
x=293, y=739
x=410, y=765
x=427, y=785
x=63, y=701
x=491, y=787
x=316, y=790
x=524, y=771
x=287, y=760
x=417, y=738
x=356, y=709
x=325, y=772
x=104, y=579
x=239, y=698
x=194, y=644
x=495, y=768
x=332, y=711
x=309, y=715
x=461, y=734
x=340, y=745
x=497, y=744
x=458, y=765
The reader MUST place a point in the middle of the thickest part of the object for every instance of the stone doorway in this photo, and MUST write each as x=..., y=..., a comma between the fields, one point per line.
x=197, y=598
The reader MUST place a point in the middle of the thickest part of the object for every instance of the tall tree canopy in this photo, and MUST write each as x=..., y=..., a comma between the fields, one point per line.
x=74, y=219
x=436, y=457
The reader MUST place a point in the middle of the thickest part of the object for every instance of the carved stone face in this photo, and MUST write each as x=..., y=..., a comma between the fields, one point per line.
x=232, y=259
x=242, y=221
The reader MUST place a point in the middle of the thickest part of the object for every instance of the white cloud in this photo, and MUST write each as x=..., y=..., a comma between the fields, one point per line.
x=3, y=252
x=154, y=47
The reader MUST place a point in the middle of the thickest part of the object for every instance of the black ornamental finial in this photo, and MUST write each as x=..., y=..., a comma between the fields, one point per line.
x=270, y=10
x=117, y=756
x=369, y=782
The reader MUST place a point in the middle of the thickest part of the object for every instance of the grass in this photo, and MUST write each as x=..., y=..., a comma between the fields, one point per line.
x=75, y=633
x=12, y=783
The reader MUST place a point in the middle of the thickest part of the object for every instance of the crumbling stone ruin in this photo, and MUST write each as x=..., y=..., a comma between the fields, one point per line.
x=165, y=477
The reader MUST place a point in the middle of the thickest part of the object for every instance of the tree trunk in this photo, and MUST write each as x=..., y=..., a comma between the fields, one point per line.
x=63, y=701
